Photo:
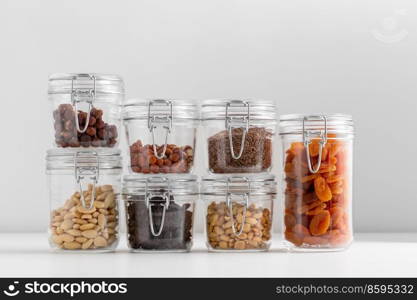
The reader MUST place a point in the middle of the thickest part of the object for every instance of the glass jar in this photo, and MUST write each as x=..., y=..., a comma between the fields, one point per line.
x=161, y=135
x=318, y=181
x=160, y=212
x=84, y=187
x=239, y=135
x=86, y=109
x=238, y=212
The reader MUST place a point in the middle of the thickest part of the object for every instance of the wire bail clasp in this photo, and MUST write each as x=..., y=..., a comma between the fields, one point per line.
x=307, y=140
x=75, y=99
x=83, y=170
x=155, y=120
x=242, y=121
x=165, y=195
x=229, y=202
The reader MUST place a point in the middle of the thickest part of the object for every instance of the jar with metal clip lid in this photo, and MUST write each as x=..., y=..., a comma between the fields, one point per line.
x=239, y=212
x=86, y=109
x=161, y=134
x=84, y=187
x=239, y=135
x=160, y=212
x=317, y=151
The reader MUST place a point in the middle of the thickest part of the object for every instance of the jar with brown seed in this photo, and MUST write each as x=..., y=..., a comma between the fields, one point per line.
x=84, y=188
x=86, y=110
x=239, y=212
x=161, y=134
x=239, y=135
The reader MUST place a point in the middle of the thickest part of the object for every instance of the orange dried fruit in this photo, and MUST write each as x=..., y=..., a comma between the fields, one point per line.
x=334, y=178
x=301, y=230
x=314, y=240
x=320, y=223
x=322, y=189
x=316, y=210
x=314, y=149
x=309, y=178
x=336, y=213
x=293, y=238
x=289, y=221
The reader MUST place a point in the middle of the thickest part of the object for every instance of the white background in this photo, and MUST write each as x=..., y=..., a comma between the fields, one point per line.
x=309, y=56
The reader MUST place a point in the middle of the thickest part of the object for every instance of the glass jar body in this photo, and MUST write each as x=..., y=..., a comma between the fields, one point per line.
x=155, y=228
x=223, y=146
x=223, y=225
x=98, y=123
x=76, y=224
x=318, y=205
x=176, y=157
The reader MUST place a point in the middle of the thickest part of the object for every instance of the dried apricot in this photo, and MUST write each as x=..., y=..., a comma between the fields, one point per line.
x=320, y=223
x=293, y=238
x=314, y=240
x=336, y=213
x=316, y=210
x=289, y=221
x=322, y=189
x=301, y=230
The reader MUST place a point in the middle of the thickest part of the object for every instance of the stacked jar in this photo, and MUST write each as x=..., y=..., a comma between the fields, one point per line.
x=239, y=192
x=84, y=168
x=160, y=193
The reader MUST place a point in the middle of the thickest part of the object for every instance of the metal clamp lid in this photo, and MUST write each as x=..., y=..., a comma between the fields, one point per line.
x=155, y=120
x=307, y=140
x=76, y=93
x=81, y=172
x=165, y=195
x=229, y=202
x=237, y=122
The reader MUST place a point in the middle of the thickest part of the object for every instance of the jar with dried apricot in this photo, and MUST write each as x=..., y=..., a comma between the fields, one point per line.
x=238, y=212
x=317, y=173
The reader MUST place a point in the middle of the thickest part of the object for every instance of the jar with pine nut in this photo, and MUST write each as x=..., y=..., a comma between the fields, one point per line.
x=84, y=187
x=238, y=212
x=317, y=151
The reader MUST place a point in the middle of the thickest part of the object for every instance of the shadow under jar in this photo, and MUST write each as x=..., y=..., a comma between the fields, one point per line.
x=86, y=109
x=84, y=187
x=160, y=212
x=239, y=135
x=239, y=212
x=161, y=135
x=318, y=181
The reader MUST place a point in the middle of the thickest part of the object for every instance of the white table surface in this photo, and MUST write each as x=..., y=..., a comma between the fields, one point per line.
x=371, y=255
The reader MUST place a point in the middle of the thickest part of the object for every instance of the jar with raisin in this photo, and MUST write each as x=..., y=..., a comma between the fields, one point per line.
x=317, y=173
x=239, y=135
x=86, y=109
x=161, y=134
x=239, y=212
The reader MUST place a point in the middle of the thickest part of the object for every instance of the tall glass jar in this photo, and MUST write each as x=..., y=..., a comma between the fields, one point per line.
x=238, y=212
x=86, y=109
x=161, y=134
x=84, y=187
x=160, y=212
x=239, y=135
x=317, y=152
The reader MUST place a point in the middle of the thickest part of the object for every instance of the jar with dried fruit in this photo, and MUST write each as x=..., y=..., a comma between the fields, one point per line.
x=160, y=212
x=239, y=135
x=86, y=109
x=161, y=135
x=318, y=181
x=84, y=187
x=239, y=212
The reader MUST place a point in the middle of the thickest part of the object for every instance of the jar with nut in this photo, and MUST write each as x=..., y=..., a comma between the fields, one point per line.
x=239, y=135
x=86, y=109
x=161, y=134
x=84, y=187
x=318, y=181
x=239, y=212
x=160, y=212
